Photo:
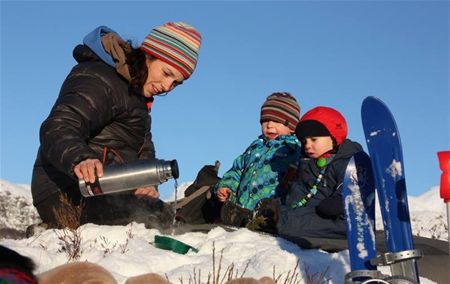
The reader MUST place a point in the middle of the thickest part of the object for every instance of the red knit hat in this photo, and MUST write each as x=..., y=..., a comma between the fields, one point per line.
x=322, y=121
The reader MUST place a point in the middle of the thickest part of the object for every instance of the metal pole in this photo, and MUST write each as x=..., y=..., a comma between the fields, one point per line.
x=448, y=225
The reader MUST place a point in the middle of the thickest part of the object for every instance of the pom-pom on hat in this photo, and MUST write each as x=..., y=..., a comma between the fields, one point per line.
x=282, y=108
x=322, y=121
x=175, y=43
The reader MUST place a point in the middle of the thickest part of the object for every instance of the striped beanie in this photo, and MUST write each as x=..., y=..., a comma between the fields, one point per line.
x=175, y=43
x=282, y=108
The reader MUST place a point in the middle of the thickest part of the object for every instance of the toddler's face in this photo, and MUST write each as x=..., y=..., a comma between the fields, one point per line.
x=272, y=129
x=317, y=146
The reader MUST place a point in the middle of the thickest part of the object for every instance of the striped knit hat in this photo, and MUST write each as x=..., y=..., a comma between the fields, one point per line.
x=282, y=108
x=176, y=44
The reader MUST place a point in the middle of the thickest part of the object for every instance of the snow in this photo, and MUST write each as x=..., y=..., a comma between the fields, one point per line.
x=364, y=224
x=16, y=210
x=374, y=133
x=395, y=169
x=128, y=251
x=428, y=215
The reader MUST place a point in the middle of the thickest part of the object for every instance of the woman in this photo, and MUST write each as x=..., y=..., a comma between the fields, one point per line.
x=101, y=117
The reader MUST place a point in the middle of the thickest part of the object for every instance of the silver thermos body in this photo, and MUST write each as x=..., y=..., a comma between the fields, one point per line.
x=125, y=177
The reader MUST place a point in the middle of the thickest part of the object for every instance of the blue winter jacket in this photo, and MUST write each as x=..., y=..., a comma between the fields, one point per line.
x=258, y=172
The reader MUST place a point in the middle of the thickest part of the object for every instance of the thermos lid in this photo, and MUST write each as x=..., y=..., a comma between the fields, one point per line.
x=174, y=168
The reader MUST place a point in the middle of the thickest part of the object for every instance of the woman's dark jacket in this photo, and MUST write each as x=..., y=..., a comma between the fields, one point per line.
x=94, y=112
x=322, y=216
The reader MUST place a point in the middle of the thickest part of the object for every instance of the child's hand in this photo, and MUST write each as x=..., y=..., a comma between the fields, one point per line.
x=223, y=194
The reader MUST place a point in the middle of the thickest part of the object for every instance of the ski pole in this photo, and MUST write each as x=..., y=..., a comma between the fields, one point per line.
x=444, y=164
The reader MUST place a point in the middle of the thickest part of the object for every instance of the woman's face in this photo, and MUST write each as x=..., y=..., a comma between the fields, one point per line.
x=161, y=78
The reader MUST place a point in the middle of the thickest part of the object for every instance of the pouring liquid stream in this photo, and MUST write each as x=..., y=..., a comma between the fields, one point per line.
x=175, y=206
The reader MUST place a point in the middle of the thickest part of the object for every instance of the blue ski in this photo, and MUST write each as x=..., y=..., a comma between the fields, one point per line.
x=359, y=204
x=383, y=143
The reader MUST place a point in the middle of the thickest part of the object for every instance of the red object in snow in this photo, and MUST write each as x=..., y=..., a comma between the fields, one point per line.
x=444, y=164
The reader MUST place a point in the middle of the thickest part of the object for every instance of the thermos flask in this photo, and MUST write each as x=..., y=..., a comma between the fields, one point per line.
x=125, y=177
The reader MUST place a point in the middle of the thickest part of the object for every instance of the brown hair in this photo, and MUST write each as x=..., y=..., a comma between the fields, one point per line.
x=136, y=61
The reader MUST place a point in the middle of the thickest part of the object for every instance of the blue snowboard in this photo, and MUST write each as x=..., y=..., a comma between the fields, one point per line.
x=383, y=142
x=359, y=204
x=384, y=145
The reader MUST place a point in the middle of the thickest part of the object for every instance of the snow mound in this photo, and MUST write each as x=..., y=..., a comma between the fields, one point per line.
x=16, y=207
x=427, y=213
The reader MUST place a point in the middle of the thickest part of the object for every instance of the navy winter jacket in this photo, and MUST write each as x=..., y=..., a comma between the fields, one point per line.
x=322, y=216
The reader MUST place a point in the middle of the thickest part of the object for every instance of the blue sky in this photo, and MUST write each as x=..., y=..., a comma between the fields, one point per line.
x=325, y=53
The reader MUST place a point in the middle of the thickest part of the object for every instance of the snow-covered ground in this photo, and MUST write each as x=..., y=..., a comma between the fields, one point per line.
x=129, y=251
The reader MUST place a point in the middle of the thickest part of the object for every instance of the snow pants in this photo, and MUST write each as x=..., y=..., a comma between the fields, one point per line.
x=304, y=222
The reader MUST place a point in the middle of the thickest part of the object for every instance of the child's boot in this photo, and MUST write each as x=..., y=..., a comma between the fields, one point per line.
x=234, y=215
x=265, y=216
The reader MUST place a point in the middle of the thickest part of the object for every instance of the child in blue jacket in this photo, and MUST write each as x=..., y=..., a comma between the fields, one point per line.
x=261, y=171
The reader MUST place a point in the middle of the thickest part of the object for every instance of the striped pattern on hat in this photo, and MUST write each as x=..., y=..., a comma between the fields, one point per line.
x=175, y=43
x=282, y=108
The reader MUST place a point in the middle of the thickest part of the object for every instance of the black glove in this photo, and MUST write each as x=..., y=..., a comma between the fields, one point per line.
x=330, y=207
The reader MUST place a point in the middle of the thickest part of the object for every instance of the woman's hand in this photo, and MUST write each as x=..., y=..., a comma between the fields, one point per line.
x=89, y=169
x=223, y=194
x=148, y=192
